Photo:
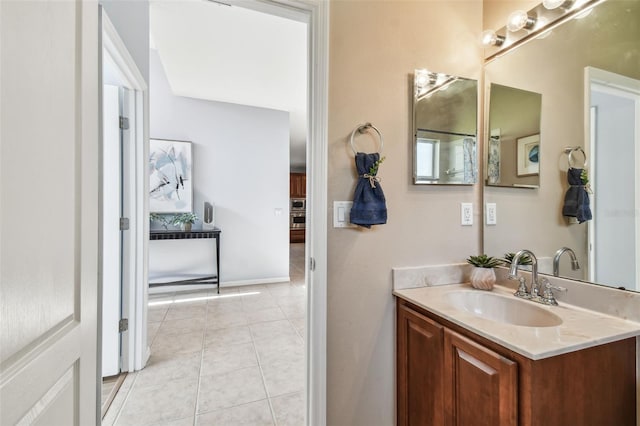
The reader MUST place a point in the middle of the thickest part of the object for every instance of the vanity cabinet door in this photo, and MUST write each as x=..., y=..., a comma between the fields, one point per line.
x=480, y=386
x=419, y=362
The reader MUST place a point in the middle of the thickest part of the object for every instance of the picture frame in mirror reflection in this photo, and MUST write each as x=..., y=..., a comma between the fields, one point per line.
x=528, y=155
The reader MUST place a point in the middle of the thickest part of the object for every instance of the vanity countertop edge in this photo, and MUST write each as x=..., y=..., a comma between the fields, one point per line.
x=580, y=328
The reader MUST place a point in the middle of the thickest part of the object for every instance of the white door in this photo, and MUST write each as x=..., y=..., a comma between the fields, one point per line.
x=111, y=241
x=615, y=231
x=49, y=211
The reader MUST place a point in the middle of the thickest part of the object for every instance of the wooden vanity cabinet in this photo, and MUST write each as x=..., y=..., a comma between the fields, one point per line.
x=447, y=375
x=420, y=364
x=480, y=386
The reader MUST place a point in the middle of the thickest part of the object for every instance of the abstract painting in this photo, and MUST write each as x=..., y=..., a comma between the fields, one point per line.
x=493, y=165
x=170, y=184
x=528, y=155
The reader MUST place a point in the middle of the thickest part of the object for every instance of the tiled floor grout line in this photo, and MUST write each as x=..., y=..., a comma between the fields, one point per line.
x=199, y=379
x=264, y=381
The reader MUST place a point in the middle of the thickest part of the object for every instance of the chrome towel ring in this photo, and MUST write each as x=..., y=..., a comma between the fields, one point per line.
x=570, y=150
x=363, y=128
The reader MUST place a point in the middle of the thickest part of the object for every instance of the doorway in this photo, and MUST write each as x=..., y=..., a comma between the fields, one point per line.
x=614, y=132
x=315, y=327
x=121, y=333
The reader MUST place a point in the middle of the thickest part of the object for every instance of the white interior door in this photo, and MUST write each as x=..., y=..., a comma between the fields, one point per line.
x=49, y=212
x=111, y=240
x=614, y=233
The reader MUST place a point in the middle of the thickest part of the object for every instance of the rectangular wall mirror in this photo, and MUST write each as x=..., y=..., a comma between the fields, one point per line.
x=586, y=75
x=512, y=157
x=445, y=129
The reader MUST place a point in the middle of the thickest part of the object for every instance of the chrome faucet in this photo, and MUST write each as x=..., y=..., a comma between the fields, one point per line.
x=534, y=291
x=556, y=260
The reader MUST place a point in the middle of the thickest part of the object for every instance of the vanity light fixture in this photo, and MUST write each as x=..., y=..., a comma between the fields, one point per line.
x=554, y=4
x=542, y=23
x=537, y=23
x=427, y=83
x=519, y=20
x=490, y=38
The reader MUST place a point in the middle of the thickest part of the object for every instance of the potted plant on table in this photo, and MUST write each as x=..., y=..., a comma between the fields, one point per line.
x=483, y=276
x=185, y=220
x=160, y=218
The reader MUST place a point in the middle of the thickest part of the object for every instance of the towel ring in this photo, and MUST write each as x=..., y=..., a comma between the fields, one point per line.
x=570, y=151
x=361, y=129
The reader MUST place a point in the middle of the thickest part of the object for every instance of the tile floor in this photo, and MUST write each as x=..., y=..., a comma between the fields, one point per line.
x=233, y=359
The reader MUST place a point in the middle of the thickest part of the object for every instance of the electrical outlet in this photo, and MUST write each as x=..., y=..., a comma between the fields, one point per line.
x=466, y=214
x=491, y=212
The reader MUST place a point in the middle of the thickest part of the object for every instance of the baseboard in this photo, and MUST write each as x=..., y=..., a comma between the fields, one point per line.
x=238, y=283
x=255, y=282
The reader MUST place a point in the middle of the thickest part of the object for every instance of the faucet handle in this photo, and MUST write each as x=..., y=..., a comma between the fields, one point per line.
x=522, y=289
x=547, y=296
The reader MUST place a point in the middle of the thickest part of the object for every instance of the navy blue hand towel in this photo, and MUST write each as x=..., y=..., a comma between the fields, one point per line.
x=576, y=200
x=369, y=205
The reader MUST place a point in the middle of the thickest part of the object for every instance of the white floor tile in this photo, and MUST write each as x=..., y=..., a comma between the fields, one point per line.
x=252, y=414
x=230, y=389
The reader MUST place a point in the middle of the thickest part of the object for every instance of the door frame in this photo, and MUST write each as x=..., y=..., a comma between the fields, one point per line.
x=315, y=13
x=135, y=350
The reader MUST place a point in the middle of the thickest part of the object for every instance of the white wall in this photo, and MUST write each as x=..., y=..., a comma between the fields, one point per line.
x=374, y=48
x=241, y=164
x=131, y=20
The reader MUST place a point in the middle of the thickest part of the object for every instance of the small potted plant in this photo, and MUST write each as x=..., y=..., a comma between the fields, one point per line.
x=483, y=276
x=185, y=220
x=160, y=218
x=525, y=261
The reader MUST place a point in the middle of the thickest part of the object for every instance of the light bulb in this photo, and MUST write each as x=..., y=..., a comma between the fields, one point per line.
x=554, y=4
x=519, y=20
x=422, y=78
x=490, y=38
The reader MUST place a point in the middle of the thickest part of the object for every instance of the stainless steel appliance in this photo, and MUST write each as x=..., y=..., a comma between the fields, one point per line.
x=298, y=204
x=297, y=219
x=298, y=213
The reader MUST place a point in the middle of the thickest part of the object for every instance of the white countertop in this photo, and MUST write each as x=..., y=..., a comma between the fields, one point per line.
x=580, y=328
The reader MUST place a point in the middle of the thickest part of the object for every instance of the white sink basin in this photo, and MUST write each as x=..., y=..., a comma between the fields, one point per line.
x=508, y=310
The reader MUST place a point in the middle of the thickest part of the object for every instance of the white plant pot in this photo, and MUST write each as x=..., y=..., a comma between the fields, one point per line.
x=483, y=278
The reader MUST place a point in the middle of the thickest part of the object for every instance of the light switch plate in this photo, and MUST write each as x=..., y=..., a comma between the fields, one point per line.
x=466, y=214
x=341, y=214
x=491, y=212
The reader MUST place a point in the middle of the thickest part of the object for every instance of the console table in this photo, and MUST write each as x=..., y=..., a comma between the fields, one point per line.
x=192, y=235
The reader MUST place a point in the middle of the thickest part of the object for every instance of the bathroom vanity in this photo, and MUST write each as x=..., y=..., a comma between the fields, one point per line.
x=460, y=367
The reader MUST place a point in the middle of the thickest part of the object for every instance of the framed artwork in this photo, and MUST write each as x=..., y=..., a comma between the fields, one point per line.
x=493, y=163
x=170, y=182
x=528, y=155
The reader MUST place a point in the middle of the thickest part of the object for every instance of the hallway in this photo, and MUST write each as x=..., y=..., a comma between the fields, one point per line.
x=231, y=359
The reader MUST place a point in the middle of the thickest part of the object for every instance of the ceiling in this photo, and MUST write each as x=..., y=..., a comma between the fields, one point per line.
x=237, y=55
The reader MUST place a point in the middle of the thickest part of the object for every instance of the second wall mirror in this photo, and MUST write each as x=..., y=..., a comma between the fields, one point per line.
x=445, y=129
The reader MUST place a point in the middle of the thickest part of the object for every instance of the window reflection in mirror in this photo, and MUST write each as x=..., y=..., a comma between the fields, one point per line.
x=514, y=146
x=557, y=67
x=445, y=129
